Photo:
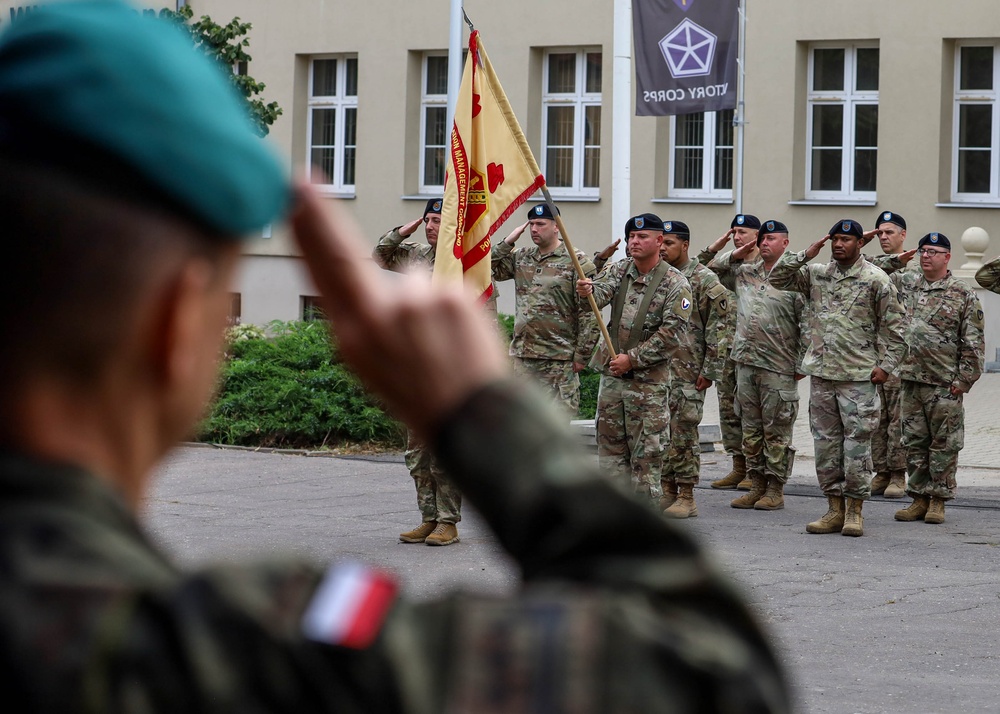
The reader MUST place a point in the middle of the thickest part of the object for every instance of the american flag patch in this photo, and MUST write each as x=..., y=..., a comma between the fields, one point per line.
x=349, y=607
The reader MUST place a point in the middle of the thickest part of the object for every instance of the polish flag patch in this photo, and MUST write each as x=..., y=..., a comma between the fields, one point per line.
x=349, y=606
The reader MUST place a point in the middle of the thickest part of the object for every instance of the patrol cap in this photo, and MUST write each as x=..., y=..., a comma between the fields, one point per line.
x=890, y=217
x=433, y=206
x=677, y=228
x=122, y=99
x=847, y=227
x=644, y=222
x=542, y=211
x=745, y=220
x=769, y=227
x=938, y=240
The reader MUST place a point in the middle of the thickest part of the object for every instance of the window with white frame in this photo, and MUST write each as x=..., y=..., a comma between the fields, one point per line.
x=333, y=121
x=571, y=121
x=977, y=123
x=433, y=122
x=701, y=159
x=842, y=158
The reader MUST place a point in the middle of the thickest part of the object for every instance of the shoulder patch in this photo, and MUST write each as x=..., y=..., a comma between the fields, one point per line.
x=685, y=304
x=979, y=314
x=350, y=606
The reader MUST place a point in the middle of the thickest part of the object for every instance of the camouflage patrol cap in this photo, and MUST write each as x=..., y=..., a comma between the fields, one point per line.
x=938, y=240
x=542, y=211
x=123, y=101
x=433, y=206
x=890, y=217
x=745, y=220
x=644, y=222
x=847, y=227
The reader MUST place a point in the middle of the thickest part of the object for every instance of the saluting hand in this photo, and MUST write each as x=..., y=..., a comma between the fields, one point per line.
x=868, y=235
x=407, y=229
x=813, y=250
x=512, y=237
x=721, y=241
x=744, y=250
x=906, y=256
x=610, y=250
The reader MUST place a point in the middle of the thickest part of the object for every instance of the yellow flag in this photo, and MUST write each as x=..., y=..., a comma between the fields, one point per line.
x=490, y=173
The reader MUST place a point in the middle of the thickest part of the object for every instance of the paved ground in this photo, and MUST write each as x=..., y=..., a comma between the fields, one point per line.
x=904, y=619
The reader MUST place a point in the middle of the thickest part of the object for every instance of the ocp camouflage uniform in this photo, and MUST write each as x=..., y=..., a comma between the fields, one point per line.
x=946, y=349
x=988, y=276
x=855, y=324
x=553, y=326
x=729, y=421
x=768, y=351
x=699, y=358
x=633, y=415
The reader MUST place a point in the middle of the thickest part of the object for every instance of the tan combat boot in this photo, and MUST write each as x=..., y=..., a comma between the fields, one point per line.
x=735, y=476
x=444, y=534
x=684, y=506
x=897, y=485
x=669, y=493
x=774, y=496
x=418, y=534
x=935, y=512
x=758, y=484
x=915, y=511
x=879, y=483
x=831, y=521
x=854, y=522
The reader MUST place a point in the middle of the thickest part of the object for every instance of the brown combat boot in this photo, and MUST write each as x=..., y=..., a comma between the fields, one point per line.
x=418, y=534
x=935, y=512
x=684, y=506
x=444, y=534
x=831, y=521
x=758, y=484
x=897, y=485
x=669, y=493
x=879, y=483
x=774, y=496
x=854, y=522
x=915, y=511
x=745, y=485
x=734, y=477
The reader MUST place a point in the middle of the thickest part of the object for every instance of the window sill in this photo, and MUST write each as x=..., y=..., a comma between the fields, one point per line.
x=334, y=193
x=968, y=204
x=833, y=202
x=713, y=200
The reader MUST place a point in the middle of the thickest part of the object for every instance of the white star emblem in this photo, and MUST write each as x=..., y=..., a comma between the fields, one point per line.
x=689, y=50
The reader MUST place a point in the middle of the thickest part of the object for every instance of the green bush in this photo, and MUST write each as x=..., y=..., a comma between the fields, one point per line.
x=289, y=390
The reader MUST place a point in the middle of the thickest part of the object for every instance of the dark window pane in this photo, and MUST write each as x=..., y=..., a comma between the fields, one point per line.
x=974, y=171
x=349, y=157
x=560, y=126
x=723, y=169
x=975, y=125
x=559, y=167
x=593, y=72
x=434, y=166
x=592, y=167
x=826, y=169
x=434, y=126
x=976, y=70
x=351, y=90
x=688, y=168
x=437, y=75
x=866, y=125
x=689, y=130
x=350, y=126
x=724, y=128
x=322, y=160
x=324, y=127
x=867, y=69
x=828, y=125
x=828, y=70
x=324, y=78
x=562, y=73
x=592, y=125
x=865, y=165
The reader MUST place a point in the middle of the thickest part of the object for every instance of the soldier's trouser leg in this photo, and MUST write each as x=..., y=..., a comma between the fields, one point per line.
x=933, y=433
x=888, y=453
x=769, y=403
x=437, y=499
x=647, y=424
x=729, y=422
x=612, y=446
x=556, y=377
x=842, y=417
x=683, y=456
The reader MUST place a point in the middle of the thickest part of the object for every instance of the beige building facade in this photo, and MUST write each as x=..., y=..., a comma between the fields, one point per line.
x=853, y=108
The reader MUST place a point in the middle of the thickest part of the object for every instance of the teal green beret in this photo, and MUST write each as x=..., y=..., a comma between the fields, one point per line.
x=113, y=87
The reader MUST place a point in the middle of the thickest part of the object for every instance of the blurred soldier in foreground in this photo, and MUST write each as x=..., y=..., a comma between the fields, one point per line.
x=116, y=293
x=946, y=352
x=650, y=315
x=742, y=231
x=768, y=354
x=694, y=370
x=553, y=326
x=439, y=502
x=988, y=276
x=855, y=342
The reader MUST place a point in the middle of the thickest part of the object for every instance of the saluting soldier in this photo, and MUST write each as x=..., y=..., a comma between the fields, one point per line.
x=855, y=342
x=650, y=315
x=699, y=364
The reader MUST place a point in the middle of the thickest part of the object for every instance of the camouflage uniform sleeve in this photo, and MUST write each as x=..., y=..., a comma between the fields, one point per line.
x=672, y=332
x=971, y=347
x=502, y=261
x=618, y=604
x=599, y=262
x=606, y=282
x=791, y=273
x=891, y=323
x=723, y=265
x=718, y=309
x=587, y=332
x=800, y=318
x=392, y=253
x=988, y=276
x=706, y=256
x=889, y=264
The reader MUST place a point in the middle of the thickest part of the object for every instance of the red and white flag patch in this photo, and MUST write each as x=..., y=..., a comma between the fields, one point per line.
x=349, y=607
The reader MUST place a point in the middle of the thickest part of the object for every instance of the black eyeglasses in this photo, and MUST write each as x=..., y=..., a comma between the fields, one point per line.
x=928, y=251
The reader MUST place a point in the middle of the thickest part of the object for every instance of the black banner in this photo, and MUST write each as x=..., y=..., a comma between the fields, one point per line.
x=685, y=55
